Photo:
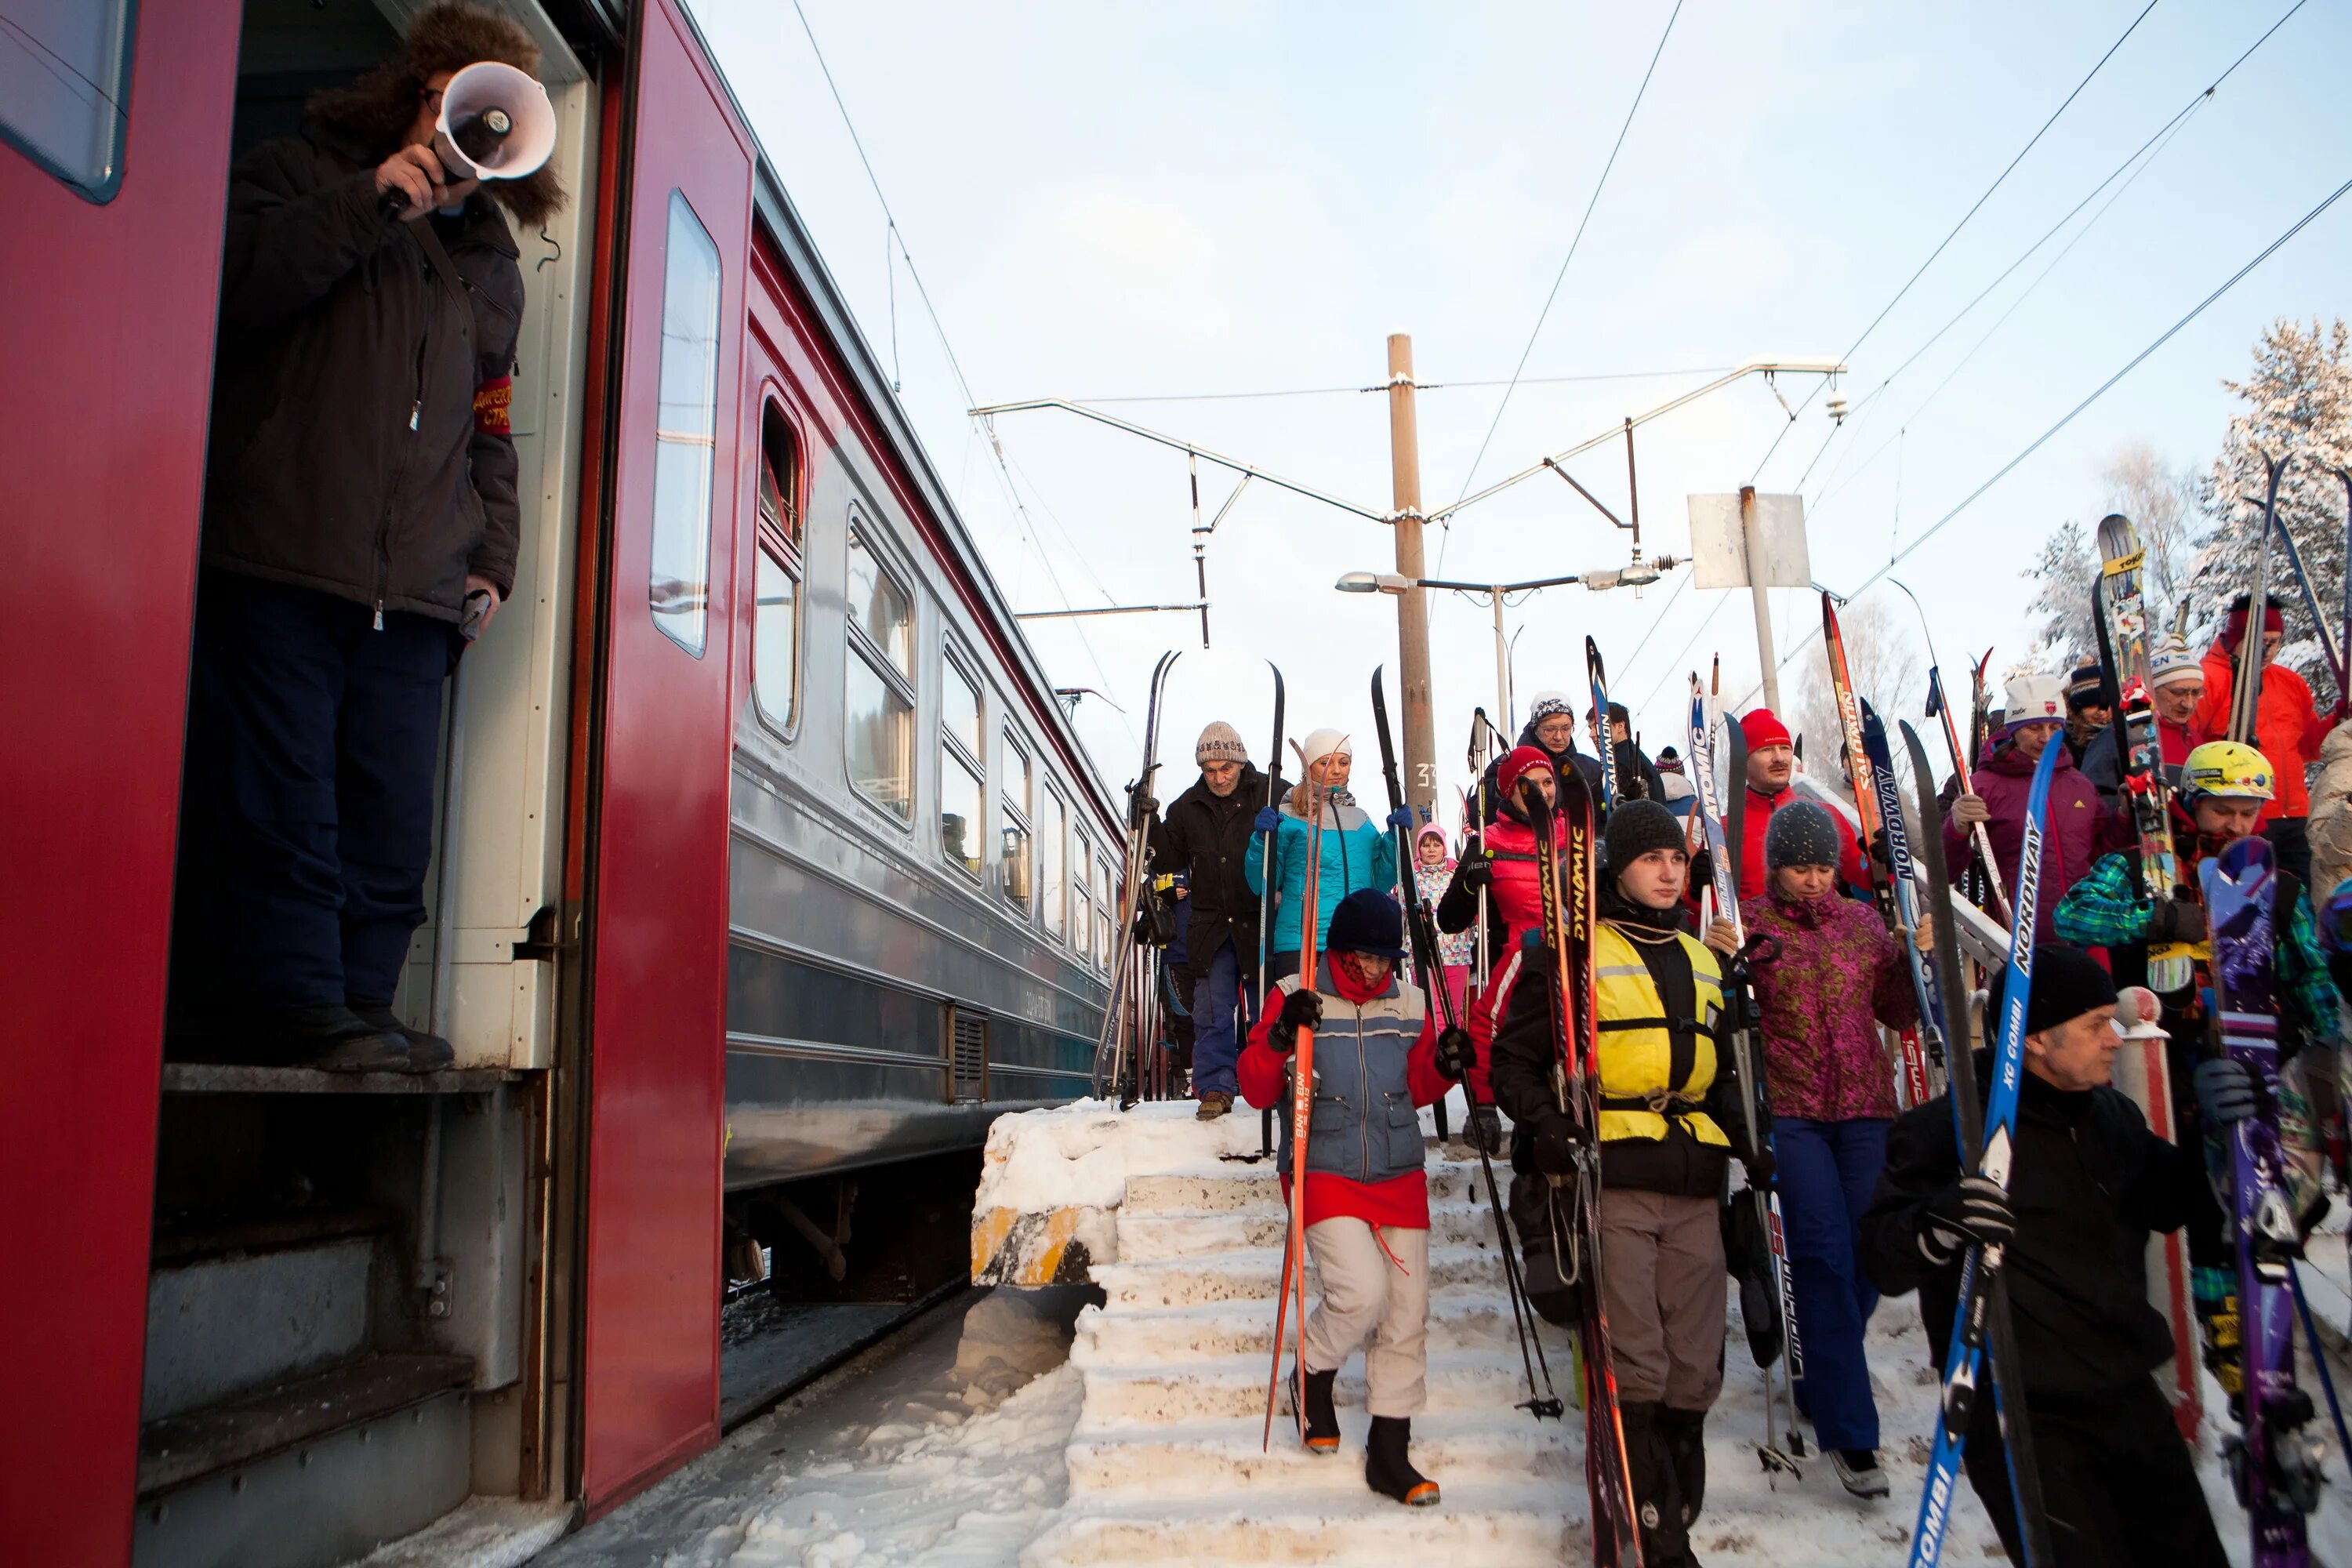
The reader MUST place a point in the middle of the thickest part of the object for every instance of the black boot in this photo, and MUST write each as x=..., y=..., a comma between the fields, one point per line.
x=427, y=1053
x=1322, y=1415
x=1483, y=1130
x=1685, y=1432
x=335, y=1039
x=1388, y=1469
x=1657, y=1487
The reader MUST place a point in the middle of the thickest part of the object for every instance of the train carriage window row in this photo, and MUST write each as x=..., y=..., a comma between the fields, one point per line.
x=779, y=572
x=963, y=780
x=1052, y=845
x=1013, y=853
x=685, y=432
x=879, y=704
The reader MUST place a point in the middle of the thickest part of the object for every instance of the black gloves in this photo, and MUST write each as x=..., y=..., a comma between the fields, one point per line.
x=1474, y=870
x=1702, y=872
x=1454, y=1053
x=2227, y=1091
x=1302, y=1009
x=1971, y=1211
x=1760, y=1166
x=1555, y=1146
x=2175, y=920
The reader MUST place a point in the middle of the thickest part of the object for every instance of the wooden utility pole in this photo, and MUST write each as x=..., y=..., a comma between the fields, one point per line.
x=1413, y=603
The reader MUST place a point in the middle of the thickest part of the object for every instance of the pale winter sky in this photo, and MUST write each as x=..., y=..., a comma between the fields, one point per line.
x=1129, y=201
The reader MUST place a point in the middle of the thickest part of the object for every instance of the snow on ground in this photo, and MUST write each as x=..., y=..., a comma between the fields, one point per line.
x=960, y=1445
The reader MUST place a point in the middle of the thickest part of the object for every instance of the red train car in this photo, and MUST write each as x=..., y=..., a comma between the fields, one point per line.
x=766, y=852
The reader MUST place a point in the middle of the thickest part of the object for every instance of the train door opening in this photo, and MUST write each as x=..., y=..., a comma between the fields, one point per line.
x=346, y=1289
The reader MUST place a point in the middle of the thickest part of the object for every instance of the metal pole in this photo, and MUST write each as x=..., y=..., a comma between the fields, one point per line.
x=1753, y=539
x=1412, y=605
x=1502, y=662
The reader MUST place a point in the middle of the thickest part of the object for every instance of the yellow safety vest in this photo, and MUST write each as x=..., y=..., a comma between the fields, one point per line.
x=1638, y=1086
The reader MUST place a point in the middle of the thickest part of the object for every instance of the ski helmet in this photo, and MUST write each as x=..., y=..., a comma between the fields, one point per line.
x=2225, y=770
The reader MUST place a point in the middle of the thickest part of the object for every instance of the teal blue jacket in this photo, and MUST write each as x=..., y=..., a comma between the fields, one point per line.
x=1357, y=852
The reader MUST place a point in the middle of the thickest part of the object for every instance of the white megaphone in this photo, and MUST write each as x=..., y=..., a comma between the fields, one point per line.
x=495, y=124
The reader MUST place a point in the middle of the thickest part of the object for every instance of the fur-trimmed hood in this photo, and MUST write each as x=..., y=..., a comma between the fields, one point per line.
x=372, y=116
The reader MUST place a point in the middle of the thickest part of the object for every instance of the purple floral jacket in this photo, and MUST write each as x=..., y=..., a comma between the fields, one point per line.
x=1838, y=971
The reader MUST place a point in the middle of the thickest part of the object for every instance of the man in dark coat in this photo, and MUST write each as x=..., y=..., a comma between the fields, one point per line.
x=1208, y=840
x=2088, y=1182
x=359, y=509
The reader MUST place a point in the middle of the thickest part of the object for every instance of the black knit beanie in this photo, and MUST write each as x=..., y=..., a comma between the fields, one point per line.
x=1638, y=826
x=2067, y=984
x=1800, y=833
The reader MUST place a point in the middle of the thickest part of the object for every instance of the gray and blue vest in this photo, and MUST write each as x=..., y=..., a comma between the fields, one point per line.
x=1364, y=1126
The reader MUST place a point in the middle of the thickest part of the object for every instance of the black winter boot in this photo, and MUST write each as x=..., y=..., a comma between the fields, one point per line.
x=1657, y=1487
x=1685, y=1432
x=1322, y=1415
x=1388, y=1469
x=335, y=1039
x=1483, y=1129
x=427, y=1053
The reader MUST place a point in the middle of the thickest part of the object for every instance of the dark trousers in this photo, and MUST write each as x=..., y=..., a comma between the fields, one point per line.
x=307, y=822
x=1826, y=1173
x=1221, y=1014
x=2116, y=1483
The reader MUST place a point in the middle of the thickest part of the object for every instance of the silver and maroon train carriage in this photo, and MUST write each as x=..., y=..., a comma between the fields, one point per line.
x=768, y=858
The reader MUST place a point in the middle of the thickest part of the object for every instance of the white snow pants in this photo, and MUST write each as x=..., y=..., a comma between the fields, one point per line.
x=1367, y=1296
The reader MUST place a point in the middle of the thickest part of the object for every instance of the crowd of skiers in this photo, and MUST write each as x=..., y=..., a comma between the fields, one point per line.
x=1875, y=1196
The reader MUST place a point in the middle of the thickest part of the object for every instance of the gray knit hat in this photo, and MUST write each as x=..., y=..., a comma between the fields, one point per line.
x=1219, y=743
x=1800, y=833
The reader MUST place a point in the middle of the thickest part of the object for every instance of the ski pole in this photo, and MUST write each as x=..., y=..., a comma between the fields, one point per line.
x=2319, y=1361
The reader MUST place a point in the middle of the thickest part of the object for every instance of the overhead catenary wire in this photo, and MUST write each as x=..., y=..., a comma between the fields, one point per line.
x=1561, y=276
x=2070, y=416
x=1974, y=209
x=939, y=327
x=1419, y=386
x=2163, y=133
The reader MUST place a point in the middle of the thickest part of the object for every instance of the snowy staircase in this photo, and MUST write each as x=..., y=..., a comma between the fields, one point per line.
x=1168, y=1464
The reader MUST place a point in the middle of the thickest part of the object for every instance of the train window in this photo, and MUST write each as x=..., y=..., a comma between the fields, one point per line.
x=963, y=792
x=1082, y=908
x=65, y=78
x=776, y=626
x=685, y=432
x=880, y=608
x=878, y=706
x=1104, y=919
x=1053, y=839
x=1013, y=853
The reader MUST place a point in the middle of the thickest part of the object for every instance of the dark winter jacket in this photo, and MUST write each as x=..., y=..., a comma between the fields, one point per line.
x=2103, y=762
x=1208, y=838
x=1691, y=1157
x=1589, y=767
x=2081, y=828
x=1637, y=777
x=360, y=439
x=2089, y=1182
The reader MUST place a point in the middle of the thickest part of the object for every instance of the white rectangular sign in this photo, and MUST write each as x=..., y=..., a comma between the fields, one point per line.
x=1720, y=543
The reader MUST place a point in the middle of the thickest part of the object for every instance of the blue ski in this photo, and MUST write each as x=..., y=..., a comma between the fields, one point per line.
x=1982, y=1264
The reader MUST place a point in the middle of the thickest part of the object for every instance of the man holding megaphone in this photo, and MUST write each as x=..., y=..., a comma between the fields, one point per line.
x=361, y=528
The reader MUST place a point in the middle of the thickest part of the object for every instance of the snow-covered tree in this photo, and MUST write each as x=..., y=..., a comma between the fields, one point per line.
x=2161, y=502
x=2068, y=574
x=1888, y=673
x=2298, y=404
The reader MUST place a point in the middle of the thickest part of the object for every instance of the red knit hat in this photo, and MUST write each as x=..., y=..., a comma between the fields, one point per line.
x=1763, y=728
x=1515, y=764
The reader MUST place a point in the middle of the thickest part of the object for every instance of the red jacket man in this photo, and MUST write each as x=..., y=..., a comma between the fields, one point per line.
x=2287, y=725
x=2080, y=828
x=1772, y=765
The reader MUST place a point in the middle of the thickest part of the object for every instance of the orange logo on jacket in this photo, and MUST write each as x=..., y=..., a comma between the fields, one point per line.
x=491, y=400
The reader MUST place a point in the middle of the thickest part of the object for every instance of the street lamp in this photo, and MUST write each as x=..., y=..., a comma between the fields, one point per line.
x=1639, y=575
